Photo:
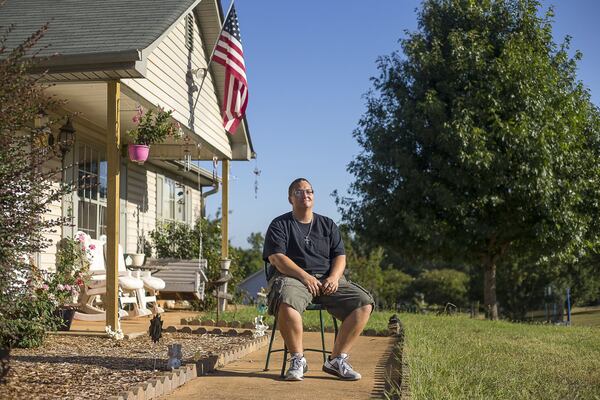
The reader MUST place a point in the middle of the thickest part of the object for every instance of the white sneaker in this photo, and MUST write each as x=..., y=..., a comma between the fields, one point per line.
x=297, y=369
x=341, y=368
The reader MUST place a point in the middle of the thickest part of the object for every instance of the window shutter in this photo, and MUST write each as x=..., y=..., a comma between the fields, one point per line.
x=189, y=32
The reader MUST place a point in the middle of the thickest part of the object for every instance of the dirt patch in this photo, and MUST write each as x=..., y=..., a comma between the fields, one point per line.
x=69, y=367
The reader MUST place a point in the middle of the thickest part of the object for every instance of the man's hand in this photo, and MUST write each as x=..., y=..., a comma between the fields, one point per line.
x=313, y=284
x=329, y=285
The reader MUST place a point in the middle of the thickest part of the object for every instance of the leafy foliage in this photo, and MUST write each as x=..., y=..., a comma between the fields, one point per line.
x=478, y=143
x=25, y=193
x=250, y=260
x=441, y=286
x=178, y=240
x=364, y=266
x=152, y=127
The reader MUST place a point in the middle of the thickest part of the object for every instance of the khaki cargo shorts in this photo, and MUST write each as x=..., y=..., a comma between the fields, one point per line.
x=288, y=290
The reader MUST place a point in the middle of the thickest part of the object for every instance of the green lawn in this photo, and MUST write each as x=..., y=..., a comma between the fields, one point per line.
x=586, y=316
x=462, y=358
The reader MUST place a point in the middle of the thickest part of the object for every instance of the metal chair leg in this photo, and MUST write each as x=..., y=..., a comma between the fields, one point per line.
x=323, y=336
x=335, y=328
x=271, y=344
x=285, y=353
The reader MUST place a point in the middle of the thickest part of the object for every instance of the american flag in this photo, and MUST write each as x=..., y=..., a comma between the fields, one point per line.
x=229, y=53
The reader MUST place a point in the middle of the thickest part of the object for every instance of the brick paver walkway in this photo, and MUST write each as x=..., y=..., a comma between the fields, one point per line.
x=245, y=378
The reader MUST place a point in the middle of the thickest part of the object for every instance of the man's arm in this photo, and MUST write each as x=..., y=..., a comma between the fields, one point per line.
x=287, y=267
x=331, y=283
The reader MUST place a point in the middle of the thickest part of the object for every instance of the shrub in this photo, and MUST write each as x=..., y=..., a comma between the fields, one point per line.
x=441, y=286
x=25, y=194
x=395, y=286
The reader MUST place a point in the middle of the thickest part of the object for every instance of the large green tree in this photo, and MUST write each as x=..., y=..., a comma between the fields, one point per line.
x=478, y=142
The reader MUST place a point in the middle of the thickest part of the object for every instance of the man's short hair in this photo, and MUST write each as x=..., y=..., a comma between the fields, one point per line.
x=295, y=183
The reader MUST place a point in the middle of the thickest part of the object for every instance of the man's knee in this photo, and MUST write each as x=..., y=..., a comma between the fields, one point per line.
x=288, y=309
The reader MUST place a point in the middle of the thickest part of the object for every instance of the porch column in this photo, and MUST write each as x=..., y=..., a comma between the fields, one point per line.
x=225, y=210
x=222, y=302
x=112, y=218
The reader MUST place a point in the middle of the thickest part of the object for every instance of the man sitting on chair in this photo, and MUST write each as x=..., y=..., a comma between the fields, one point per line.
x=307, y=252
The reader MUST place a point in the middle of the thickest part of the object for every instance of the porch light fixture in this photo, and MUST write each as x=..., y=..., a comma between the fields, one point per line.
x=199, y=73
x=66, y=137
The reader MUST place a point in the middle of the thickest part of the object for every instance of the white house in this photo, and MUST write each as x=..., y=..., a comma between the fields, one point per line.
x=106, y=58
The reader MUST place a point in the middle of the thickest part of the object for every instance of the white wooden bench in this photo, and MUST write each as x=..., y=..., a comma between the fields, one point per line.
x=184, y=279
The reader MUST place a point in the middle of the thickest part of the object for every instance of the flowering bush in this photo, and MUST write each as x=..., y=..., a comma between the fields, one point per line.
x=153, y=128
x=72, y=264
x=25, y=193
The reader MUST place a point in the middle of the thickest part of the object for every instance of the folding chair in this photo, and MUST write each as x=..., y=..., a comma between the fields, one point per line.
x=311, y=307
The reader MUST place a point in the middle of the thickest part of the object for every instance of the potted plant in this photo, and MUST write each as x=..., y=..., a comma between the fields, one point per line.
x=137, y=259
x=152, y=127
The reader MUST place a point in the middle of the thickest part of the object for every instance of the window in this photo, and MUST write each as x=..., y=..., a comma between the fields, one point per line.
x=92, y=186
x=189, y=32
x=172, y=200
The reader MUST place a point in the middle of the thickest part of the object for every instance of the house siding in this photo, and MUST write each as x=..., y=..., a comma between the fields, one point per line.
x=46, y=259
x=141, y=204
x=140, y=193
x=167, y=84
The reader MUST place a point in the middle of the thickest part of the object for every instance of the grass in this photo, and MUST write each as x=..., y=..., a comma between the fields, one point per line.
x=586, y=316
x=378, y=320
x=461, y=358
x=455, y=357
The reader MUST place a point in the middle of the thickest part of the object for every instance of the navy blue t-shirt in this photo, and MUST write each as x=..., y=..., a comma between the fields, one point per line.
x=314, y=252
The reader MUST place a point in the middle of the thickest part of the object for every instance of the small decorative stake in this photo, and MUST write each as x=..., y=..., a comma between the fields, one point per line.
x=155, y=332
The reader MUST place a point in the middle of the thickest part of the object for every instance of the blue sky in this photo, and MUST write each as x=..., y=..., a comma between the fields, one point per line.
x=309, y=64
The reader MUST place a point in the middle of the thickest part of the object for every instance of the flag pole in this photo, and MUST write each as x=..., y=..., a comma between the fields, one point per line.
x=212, y=53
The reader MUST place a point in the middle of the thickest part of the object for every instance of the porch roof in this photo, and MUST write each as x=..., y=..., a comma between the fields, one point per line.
x=112, y=39
x=90, y=35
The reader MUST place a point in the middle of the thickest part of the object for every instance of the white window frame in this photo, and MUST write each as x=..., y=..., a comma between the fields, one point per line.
x=173, y=200
x=92, y=194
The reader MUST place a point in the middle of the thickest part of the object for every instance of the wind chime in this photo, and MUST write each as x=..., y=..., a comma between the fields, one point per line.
x=187, y=154
x=256, y=173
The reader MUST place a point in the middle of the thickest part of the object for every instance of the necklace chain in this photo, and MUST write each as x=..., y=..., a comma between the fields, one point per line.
x=306, y=237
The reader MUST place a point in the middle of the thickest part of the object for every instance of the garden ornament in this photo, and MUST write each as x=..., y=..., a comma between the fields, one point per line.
x=175, y=356
x=155, y=330
x=394, y=325
x=260, y=327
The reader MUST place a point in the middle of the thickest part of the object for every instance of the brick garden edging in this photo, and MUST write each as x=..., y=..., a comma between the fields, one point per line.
x=167, y=382
x=398, y=372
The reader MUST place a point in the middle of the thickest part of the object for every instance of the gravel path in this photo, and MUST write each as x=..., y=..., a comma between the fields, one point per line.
x=68, y=367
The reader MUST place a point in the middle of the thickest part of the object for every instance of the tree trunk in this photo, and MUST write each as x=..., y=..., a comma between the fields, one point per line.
x=489, y=288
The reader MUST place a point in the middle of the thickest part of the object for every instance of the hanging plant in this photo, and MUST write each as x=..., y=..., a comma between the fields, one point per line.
x=152, y=127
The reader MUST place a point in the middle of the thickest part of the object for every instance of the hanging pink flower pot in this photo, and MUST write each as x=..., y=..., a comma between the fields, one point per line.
x=138, y=153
